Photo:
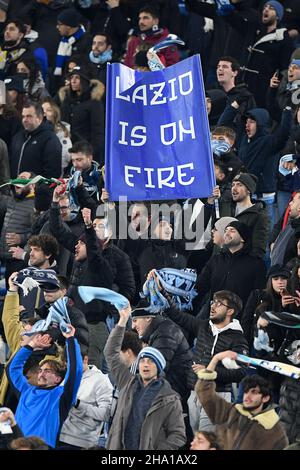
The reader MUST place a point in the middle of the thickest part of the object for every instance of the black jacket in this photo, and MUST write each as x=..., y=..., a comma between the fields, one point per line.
x=207, y=345
x=160, y=254
x=38, y=151
x=239, y=272
x=108, y=268
x=226, y=41
x=85, y=114
x=268, y=51
x=260, y=153
x=164, y=335
x=257, y=219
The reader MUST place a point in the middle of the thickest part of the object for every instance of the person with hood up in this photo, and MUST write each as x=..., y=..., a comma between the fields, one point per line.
x=259, y=149
x=81, y=106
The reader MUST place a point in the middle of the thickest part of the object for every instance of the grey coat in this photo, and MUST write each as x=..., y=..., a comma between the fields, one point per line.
x=163, y=428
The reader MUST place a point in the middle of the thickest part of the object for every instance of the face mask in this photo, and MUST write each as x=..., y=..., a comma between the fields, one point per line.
x=219, y=147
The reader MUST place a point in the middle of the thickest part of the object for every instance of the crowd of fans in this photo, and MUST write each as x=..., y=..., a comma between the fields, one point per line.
x=79, y=369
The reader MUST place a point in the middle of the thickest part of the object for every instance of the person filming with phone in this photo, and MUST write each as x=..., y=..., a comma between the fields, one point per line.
x=284, y=89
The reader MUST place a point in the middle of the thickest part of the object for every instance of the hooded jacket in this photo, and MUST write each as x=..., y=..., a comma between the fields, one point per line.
x=38, y=151
x=238, y=272
x=85, y=114
x=260, y=153
x=238, y=428
x=210, y=341
x=84, y=423
x=144, y=41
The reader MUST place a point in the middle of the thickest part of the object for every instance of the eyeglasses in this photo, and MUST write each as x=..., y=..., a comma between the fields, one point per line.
x=218, y=303
x=63, y=208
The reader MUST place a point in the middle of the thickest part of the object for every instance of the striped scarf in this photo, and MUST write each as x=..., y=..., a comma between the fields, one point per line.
x=65, y=49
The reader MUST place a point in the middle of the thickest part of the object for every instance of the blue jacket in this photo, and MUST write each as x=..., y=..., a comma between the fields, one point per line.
x=42, y=411
x=260, y=154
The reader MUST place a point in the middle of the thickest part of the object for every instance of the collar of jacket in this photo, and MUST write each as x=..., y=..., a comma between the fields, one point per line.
x=267, y=419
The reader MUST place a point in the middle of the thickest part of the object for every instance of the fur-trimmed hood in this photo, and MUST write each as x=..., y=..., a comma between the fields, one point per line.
x=95, y=92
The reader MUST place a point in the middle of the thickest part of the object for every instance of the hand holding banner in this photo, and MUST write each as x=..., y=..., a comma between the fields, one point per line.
x=157, y=133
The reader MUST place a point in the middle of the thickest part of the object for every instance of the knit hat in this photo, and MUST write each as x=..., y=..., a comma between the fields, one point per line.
x=295, y=62
x=222, y=223
x=142, y=310
x=155, y=355
x=277, y=7
x=242, y=228
x=295, y=54
x=248, y=179
x=69, y=17
x=279, y=270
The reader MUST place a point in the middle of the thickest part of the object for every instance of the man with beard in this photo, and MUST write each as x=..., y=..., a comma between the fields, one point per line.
x=16, y=212
x=268, y=47
x=14, y=47
x=252, y=425
x=150, y=34
x=285, y=236
x=254, y=215
x=215, y=334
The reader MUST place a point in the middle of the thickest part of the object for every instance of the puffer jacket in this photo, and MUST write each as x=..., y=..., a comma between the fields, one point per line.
x=290, y=408
x=164, y=335
x=85, y=114
x=208, y=344
x=17, y=219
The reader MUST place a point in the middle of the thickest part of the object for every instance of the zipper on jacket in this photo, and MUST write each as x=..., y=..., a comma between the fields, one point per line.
x=21, y=155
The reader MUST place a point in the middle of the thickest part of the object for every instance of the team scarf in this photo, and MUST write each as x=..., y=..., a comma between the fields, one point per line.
x=65, y=49
x=179, y=283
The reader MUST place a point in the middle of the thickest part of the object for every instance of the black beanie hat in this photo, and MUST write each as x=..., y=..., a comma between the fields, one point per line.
x=242, y=228
x=69, y=17
x=278, y=270
x=142, y=310
x=248, y=179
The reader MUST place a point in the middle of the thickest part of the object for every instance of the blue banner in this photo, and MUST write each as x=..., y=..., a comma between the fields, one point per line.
x=157, y=133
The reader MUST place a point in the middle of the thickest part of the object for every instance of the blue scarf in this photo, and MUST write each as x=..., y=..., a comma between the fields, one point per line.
x=88, y=294
x=179, y=283
x=106, y=56
x=58, y=315
x=65, y=49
